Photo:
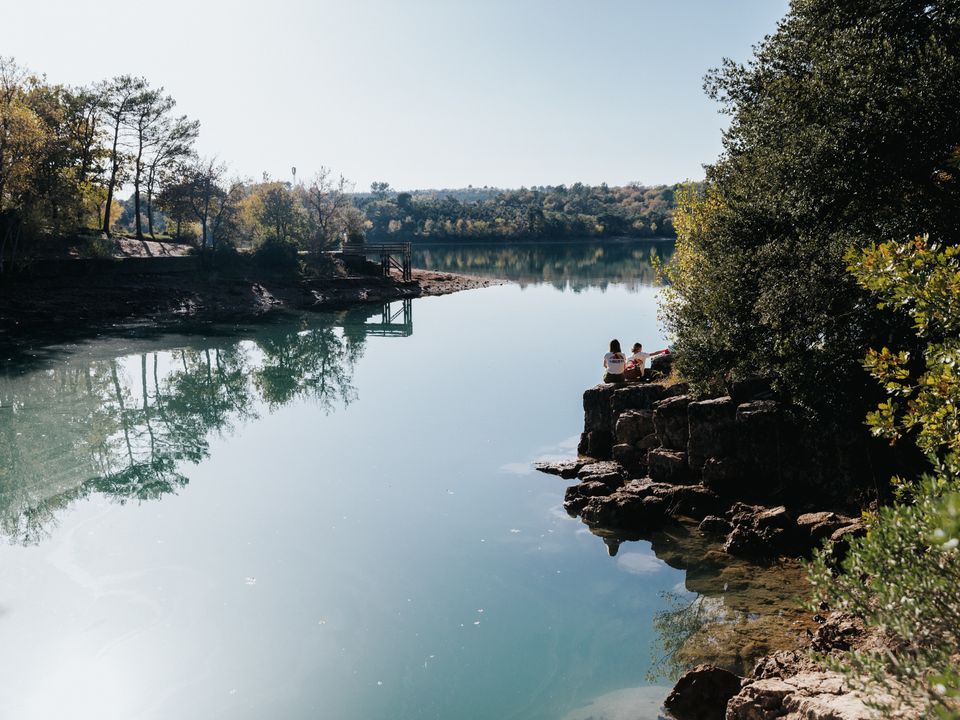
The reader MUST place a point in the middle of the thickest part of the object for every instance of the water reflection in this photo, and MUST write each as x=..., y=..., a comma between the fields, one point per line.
x=728, y=612
x=126, y=426
x=566, y=266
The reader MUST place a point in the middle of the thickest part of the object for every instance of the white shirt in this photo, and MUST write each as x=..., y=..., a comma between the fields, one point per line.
x=616, y=363
x=639, y=358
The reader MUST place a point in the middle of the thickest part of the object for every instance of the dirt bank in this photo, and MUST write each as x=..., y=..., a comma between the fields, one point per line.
x=84, y=299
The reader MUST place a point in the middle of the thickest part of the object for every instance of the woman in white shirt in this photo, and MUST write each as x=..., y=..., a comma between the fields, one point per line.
x=638, y=361
x=615, y=362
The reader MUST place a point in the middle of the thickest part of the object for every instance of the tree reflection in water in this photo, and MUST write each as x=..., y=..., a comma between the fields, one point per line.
x=127, y=427
x=567, y=265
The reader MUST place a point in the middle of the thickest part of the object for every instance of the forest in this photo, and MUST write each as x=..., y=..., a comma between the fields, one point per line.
x=79, y=165
x=555, y=212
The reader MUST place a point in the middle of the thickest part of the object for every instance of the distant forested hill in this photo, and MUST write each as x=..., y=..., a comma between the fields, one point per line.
x=577, y=211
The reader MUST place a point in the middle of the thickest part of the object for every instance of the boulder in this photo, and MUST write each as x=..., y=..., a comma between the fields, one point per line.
x=819, y=526
x=632, y=425
x=808, y=695
x=668, y=466
x=577, y=496
x=623, y=510
x=762, y=532
x=703, y=693
x=670, y=422
x=710, y=431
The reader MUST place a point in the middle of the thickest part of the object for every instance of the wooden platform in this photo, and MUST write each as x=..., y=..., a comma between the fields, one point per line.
x=392, y=256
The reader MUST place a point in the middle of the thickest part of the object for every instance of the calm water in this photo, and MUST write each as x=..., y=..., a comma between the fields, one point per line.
x=329, y=518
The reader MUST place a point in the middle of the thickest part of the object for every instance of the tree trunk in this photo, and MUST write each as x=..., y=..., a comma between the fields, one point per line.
x=114, y=167
x=138, y=171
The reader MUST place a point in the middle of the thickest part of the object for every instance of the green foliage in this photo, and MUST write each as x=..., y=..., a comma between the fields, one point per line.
x=903, y=578
x=527, y=214
x=827, y=148
x=924, y=279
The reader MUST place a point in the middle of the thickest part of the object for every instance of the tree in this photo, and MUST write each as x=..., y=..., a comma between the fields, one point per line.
x=827, y=148
x=380, y=189
x=173, y=145
x=211, y=199
x=279, y=213
x=120, y=98
x=327, y=201
x=146, y=120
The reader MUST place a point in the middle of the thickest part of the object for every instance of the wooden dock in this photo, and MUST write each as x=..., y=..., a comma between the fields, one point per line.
x=393, y=256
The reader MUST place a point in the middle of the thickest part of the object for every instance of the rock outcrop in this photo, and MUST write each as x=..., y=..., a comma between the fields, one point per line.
x=742, y=459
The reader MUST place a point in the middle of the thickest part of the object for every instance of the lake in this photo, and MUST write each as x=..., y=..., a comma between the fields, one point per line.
x=333, y=516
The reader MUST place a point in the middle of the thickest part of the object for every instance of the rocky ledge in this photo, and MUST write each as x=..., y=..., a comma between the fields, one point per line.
x=742, y=465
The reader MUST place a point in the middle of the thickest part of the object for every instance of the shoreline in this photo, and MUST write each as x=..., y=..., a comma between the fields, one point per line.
x=37, y=311
x=741, y=487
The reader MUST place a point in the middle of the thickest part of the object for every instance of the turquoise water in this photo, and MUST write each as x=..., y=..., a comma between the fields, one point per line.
x=325, y=518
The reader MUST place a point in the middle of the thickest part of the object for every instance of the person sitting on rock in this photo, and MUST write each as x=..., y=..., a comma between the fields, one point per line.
x=636, y=365
x=615, y=363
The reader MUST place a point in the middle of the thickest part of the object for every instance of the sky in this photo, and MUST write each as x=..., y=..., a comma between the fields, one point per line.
x=418, y=93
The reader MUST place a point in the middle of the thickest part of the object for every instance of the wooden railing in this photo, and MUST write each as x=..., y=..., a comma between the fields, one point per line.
x=392, y=256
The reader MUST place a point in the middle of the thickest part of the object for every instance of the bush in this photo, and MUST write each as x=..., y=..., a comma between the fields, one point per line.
x=276, y=255
x=903, y=578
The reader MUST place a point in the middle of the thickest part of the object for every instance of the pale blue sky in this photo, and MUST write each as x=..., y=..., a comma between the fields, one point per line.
x=420, y=93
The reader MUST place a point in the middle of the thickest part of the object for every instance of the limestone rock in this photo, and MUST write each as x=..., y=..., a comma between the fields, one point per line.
x=632, y=425
x=714, y=525
x=806, y=695
x=668, y=466
x=567, y=469
x=702, y=693
x=821, y=525
x=635, y=397
x=692, y=501
x=629, y=457
x=670, y=421
x=623, y=510
x=606, y=471
x=648, y=442
x=760, y=531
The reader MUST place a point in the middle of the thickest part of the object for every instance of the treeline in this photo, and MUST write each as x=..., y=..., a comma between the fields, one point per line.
x=555, y=212
x=823, y=254
x=66, y=152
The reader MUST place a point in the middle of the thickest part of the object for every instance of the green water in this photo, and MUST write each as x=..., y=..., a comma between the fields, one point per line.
x=328, y=518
